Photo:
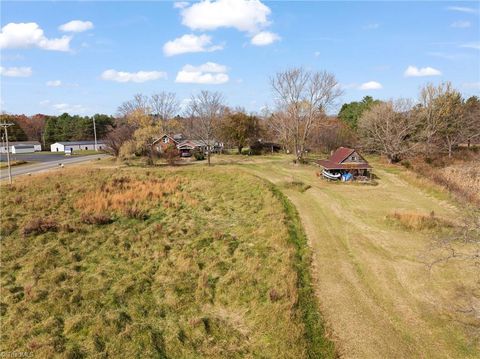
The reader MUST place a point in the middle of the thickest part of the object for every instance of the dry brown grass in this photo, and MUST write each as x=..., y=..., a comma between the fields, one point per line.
x=131, y=197
x=419, y=221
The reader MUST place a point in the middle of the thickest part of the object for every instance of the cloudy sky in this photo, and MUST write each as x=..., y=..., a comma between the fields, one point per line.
x=88, y=57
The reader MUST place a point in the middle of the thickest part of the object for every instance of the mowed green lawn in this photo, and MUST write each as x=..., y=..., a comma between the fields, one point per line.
x=148, y=263
x=377, y=293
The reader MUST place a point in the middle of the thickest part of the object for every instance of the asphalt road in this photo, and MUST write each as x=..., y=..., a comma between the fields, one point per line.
x=49, y=165
x=33, y=157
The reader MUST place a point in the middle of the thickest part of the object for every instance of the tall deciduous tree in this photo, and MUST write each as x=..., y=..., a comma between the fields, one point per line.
x=205, y=111
x=239, y=129
x=302, y=99
x=164, y=106
x=388, y=128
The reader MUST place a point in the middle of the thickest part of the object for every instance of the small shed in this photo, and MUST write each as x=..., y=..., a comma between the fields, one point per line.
x=346, y=163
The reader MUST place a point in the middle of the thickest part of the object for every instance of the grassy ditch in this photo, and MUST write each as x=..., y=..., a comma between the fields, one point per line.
x=319, y=346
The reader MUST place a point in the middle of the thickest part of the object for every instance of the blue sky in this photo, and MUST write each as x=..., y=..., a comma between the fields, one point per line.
x=113, y=50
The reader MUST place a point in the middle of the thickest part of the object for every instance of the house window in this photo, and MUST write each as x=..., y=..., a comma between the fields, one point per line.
x=165, y=139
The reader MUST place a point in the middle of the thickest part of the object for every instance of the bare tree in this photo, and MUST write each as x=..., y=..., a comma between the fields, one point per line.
x=445, y=121
x=205, y=111
x=388, y=128
x=164, y=106
x=302, y=99
x=117, y=136
x=428, y=112
x=138, y=103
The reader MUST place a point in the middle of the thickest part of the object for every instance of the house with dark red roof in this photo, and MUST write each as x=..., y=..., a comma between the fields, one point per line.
x=345, y=163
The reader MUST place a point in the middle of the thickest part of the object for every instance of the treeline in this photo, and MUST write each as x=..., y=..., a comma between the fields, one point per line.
x=437, y=123
x=50, y=129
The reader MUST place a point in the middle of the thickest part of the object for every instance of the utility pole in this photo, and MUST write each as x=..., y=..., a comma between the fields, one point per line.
x=5, y=126
x=95, y=132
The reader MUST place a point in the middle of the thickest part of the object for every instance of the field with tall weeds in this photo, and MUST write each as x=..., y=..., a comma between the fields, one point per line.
x=138, y=262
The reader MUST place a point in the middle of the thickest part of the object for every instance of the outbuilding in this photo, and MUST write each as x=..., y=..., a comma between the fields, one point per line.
x=21, y=147
x=77, y=146
x=346, y=164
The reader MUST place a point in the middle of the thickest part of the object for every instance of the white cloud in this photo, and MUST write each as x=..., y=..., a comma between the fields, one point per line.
x=76, y=26
x=347, y=86
x=65, y=107
x=448, y=56
x=464, y=9
x=371, y=26
x=413, y=71
x=190, y=43
x=209, y=73
x=471, y=45
x=25, y=35
x=16, y=71
x=371, y=85
x=54, y=83
x=140, y=76
x=472, y=85
x=180, y=4
x=316, y=53
x=243, y=15
x=461, y=24
x=264, y=38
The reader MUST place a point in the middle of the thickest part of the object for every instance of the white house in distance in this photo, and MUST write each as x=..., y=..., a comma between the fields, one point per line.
x=77, y=146
x=21, y=147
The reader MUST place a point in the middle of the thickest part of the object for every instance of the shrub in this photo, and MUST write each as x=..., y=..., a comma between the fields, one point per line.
x=96, y=218
x=171, y=155
x=406, y=164
x=135, y=212
x=40, y=225
x=199, y=156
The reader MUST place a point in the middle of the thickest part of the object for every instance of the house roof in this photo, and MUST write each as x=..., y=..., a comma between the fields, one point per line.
x=337, y=160
x=172, y=137
x=23, y=146
x=72, y=143
x=341, y=154
x=27, y=143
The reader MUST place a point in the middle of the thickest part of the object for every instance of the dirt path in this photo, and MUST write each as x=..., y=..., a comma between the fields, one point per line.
x=375, y=291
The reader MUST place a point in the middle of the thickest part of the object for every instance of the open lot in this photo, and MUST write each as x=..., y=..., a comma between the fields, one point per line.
x=194, y=262
x=151, y=262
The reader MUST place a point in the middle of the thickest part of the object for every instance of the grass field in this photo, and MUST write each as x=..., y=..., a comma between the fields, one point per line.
x=212, y=262
x=138, y=262
x=372, y=248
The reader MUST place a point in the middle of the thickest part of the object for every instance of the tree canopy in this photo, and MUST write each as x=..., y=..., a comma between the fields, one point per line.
x=351, y=112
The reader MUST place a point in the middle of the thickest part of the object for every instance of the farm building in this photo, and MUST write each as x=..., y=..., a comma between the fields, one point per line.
x=77, y=146
x=345, y=164
x=21, y=147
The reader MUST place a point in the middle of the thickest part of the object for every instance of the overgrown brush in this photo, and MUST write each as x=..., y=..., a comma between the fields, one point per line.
x=129, y=197
x=419, y=221
x=185, y=262
x=39, y=226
